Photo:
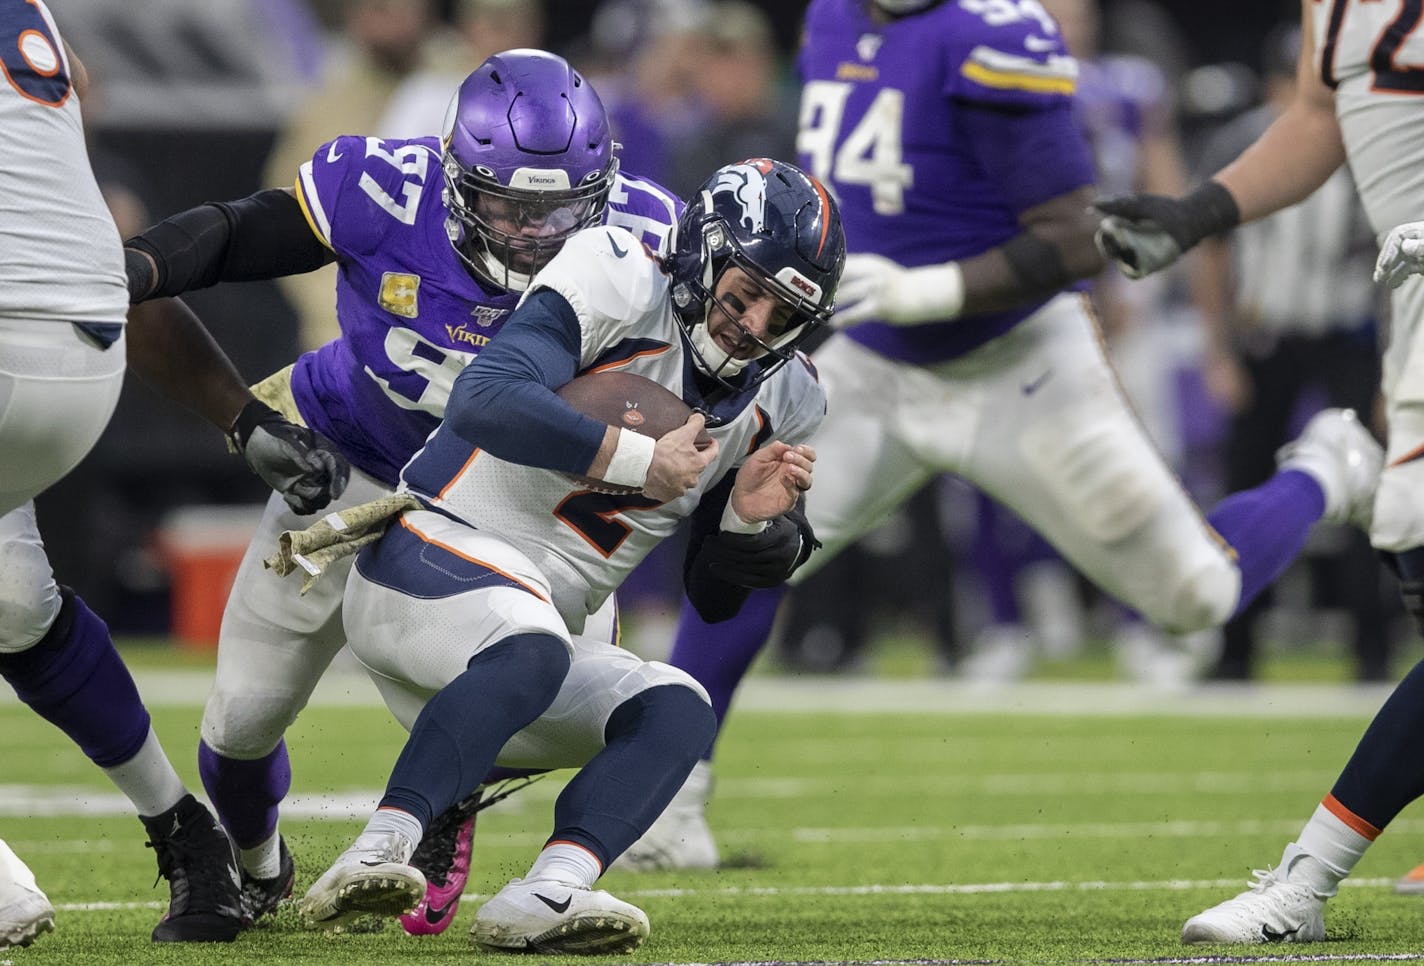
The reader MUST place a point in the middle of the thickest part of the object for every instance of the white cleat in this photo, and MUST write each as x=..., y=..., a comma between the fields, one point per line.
x=1273, y=910
x=371, y=878
x=681, y=837
x=25, y=911
x=545, y=916
x=1344, y=459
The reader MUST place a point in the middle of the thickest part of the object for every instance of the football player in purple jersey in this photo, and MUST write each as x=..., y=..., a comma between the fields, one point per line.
x=946, y=131
x=435, y=240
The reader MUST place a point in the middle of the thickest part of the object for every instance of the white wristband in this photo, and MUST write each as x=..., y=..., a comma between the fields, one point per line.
x=731, y=523
x=631, y=459
x=936, y=293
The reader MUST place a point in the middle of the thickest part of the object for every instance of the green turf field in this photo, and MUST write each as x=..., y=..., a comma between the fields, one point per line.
x=1085, y=834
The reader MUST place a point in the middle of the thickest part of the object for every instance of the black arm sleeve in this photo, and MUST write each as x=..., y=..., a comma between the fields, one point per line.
x=264, y=235
x=714, y=600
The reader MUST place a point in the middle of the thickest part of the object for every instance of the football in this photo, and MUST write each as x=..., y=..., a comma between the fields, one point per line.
x=628, y=401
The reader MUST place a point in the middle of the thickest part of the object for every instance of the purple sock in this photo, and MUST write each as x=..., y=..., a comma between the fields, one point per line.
x=75, y=680
x=246, y=794
x=1267, y=527
x=718, y=655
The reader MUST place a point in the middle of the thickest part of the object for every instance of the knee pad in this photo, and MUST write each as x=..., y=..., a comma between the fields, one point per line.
x=244, y=724
x=1399, y=508
x=1199, y=599
x=29, y=597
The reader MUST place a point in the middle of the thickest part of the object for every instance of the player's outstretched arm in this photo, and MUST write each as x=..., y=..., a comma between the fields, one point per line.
x=1053, y=249
x=171, y=350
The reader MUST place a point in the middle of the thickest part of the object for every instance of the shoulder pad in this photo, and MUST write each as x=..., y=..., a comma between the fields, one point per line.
x=646, y=209
x=1012, y=54
x=798, y=398
x=609, y=278
x=357, y=189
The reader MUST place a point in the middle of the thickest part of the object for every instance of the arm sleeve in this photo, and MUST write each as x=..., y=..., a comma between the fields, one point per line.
x=714, y=600
x=504, y=401
x=1035, y=154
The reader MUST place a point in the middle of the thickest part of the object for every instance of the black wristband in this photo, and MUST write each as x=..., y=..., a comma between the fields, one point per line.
x=1209, y=210
x=139, y=269
x=255, y=413
x=1037, y=263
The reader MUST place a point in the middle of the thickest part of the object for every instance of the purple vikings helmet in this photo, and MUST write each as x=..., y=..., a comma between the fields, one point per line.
x=528, y=161
x=780, y=226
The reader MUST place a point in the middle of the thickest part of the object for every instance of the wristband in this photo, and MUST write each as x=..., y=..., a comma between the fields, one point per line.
x=941, y=291
x=631, y=459
x=732, y=523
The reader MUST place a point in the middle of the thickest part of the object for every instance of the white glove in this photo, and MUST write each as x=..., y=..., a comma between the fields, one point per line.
x=1401, y=255
x=874, y=287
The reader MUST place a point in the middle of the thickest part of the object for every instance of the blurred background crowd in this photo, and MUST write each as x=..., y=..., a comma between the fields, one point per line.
x=1225, y=357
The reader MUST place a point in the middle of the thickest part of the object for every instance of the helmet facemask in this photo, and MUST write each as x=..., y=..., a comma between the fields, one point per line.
x=794, y=317
x=505, y=234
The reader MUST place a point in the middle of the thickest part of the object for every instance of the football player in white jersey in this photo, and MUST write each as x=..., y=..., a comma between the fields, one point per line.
x=63, y=342
x=465, y=611
x=1357, y=100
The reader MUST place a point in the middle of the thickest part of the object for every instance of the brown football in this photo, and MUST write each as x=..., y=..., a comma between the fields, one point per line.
x=628, y=401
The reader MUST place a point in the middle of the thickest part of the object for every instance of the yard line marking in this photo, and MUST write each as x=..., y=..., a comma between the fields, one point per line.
x=343, y=687
x=961, y=889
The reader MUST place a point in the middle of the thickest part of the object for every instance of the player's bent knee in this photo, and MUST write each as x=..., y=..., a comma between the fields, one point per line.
x=1399, y=512
x=29, y=598
x=679, y=719
x=245, y=726
x=1201, y=598
x=656, y=674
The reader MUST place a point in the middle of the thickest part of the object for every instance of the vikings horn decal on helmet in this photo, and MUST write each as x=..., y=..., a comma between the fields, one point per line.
x=781, y=227
x=528, y=161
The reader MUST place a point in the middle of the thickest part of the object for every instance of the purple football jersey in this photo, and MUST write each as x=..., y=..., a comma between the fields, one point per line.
x=411, y=315
x=881, y=122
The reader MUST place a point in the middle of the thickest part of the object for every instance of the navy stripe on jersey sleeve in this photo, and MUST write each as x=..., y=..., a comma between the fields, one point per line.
x=1034, y=155
x=504, y=402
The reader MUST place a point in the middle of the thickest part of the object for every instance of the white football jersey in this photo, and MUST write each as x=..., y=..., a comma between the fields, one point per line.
x=1372, y=54
x=60, y=254
x=585, y=543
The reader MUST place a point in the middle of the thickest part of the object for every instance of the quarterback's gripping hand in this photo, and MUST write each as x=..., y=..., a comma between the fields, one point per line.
x=874, y=287
x=1146, y=233
x=298, y=463
x=1401, y=255
x=763, y=559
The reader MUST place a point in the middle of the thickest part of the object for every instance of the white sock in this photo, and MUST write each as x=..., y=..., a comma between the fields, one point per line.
x=148, y=779
x=386, y=821
x=263, y=860
x=1326, y=851
x=565, y=862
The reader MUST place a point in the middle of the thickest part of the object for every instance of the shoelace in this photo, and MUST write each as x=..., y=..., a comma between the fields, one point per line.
x=199, y=879
x=436, y=852
x=1265, y=878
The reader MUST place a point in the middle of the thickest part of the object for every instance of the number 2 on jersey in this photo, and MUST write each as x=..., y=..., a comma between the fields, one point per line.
x=870, y=154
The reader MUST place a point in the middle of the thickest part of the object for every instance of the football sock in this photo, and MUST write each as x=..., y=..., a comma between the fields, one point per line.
x=565, y=862
x=387, y=820
x=1332, y=842
x=1267, y=526
x=457, y=734
x=652, y=741
x=1383, y=774
x=75, y=679
x=148, y=779
x=263, y=860
x=246, y=794
x=718, y=655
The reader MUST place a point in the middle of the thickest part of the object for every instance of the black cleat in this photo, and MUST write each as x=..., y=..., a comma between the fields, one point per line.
x=196, y=857
x=260, y=897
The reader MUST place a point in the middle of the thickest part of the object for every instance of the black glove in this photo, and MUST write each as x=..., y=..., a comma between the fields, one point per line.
x=760, y=559
x=298, y=463
x=1146, y=233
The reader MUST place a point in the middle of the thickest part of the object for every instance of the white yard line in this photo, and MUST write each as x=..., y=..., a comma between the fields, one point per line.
x=345, y=688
